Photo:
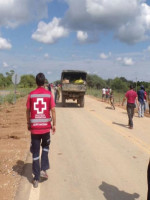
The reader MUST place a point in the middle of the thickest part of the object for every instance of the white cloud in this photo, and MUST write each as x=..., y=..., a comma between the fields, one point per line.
x=4, y=44
x=82, y=36
x=51, y=32
x=128, y=61
x=129, y=20
x=148, y=48
x=16, y=12
x=5, y=64
x=118, y=59
x=46, y=55
x=103, y=56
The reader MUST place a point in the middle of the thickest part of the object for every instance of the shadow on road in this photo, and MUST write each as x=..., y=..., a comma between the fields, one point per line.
x=111, y=192
x=24, y=169
x=123, y=125
x=124, y=113
x=110, y=108
x=67, y=105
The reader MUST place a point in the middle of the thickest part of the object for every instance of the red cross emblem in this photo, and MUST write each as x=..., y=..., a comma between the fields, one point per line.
x=40, y=106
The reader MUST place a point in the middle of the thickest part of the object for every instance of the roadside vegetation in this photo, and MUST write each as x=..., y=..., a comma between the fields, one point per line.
x=8, y=95
x=119, y=85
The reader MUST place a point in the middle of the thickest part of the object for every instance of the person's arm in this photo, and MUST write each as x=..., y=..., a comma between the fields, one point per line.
x=146, y=99
x=28, y=118
x=28, y=112
x=54, y=120
x=124, y=100
x=137, y=102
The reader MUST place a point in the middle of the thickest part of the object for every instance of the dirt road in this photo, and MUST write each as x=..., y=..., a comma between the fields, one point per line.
x=94, y=156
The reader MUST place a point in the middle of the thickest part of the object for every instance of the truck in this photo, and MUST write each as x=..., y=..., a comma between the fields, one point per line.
x=73, y=86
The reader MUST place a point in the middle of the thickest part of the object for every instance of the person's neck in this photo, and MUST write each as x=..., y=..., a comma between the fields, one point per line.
x=41, y=86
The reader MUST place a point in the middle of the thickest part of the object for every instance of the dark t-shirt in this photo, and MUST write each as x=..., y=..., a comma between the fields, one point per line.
x=141, y=96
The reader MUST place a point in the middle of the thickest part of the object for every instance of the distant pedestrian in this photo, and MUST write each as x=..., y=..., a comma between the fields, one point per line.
x=131, y=97
x=56, y=93
x=103, y=94
x=49, y=87
x=107, y=94
x=40, y=108
x=145, y=100
x=111, y=98
x=148, y=99
x=141, y=101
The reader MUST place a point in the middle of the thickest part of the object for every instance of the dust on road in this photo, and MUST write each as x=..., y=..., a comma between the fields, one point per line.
x=14, y=145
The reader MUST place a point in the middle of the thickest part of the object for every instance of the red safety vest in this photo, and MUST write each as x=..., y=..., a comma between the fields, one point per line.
x=40, y=110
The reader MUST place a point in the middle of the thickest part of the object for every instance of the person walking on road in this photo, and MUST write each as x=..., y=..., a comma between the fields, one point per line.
x=131, y=97
x=40, y=105
x=49, y=87
x=145, y=100
x=141, y=101
x=112, y=101
x=103, y=93
x=56, y=93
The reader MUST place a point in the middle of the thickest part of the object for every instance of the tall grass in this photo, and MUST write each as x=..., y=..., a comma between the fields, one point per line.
x=10, y=98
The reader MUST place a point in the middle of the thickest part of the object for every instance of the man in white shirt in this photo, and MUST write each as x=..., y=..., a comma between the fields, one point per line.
x=103, y=94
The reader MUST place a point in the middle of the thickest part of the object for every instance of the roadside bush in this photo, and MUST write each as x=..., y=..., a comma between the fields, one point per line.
x=9, y=98
x=1, y=100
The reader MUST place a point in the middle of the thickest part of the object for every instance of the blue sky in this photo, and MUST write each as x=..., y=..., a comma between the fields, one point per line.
x=103, y=37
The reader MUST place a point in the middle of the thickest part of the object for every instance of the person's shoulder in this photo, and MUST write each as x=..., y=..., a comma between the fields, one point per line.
x=33, y=91
x=45, y=91
x=133, y=91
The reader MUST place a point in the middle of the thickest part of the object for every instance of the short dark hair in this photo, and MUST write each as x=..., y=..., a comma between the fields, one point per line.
x=131, y=87
x=142, y=87
x=40, y=79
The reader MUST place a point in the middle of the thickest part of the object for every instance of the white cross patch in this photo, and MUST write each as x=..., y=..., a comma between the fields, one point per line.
x=40, y=106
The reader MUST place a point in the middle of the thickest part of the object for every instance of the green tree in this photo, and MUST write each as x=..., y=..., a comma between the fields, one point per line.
x=27, y=81
x=119, y=85
x=2, y=80
x=90, y=81
x=58, y=82
x=7, y=80
x=95, y=81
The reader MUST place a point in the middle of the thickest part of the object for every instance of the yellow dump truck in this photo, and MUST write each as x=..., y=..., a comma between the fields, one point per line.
x=73, y=86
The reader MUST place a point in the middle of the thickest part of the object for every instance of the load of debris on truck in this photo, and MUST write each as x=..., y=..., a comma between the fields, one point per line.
x=73, y=86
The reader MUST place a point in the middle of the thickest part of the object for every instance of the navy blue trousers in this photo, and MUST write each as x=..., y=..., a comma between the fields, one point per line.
x=38, y=140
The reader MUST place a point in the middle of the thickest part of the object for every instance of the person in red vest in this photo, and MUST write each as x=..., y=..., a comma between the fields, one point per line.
x=131, y=97
x=40, y=106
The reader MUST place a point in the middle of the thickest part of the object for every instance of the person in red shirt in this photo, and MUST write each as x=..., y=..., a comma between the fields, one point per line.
x=145, y=100
x=40, y=106
x=131, y=97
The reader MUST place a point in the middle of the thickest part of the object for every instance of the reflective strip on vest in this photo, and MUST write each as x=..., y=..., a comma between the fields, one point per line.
x=40, y=120
x=37, y=158
x=47, y=150
x=40, y=95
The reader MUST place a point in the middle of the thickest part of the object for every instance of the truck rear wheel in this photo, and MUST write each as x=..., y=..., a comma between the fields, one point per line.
x=82, y=101
x=63, y=101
